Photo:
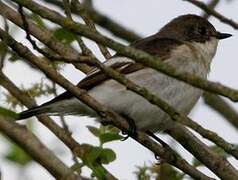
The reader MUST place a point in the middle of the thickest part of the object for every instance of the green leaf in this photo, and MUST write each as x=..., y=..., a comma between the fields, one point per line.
x=97, y=155
x=220, y=151
x=64, y=35
x=8, y=113
x=77, y=167
x=108, y=137
x=113, y=129
x=99, y=172
x=196, y=163
x=93, y=155
x=38, y=20
x=107, y=155
x=95, y=131
x=17, y=155
x=14, y=57
x=85, y=151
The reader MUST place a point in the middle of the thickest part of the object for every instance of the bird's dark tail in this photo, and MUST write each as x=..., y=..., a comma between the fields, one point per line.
x=32, y=112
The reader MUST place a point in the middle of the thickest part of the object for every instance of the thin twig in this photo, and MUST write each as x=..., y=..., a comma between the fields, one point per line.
x=222, y=108
x=4, y=48
x=42, y=51
x=64, y=124
x=38, y=151
x=82, y=45
x=67, y=9
x=84, y=14
x=212, y=4
x=85, y=50
x=213, y=12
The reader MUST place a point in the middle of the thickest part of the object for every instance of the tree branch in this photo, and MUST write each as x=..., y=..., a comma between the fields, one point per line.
x=85, y=16
x=222, y=107
x=212, y=4
x=38, y=151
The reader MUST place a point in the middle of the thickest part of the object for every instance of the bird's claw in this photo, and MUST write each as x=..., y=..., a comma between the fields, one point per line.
x=131, y=132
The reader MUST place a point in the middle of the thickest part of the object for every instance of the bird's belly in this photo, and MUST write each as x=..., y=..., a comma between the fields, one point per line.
x=147, y=116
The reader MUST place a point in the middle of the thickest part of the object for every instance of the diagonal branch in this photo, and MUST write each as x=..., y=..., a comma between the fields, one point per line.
x=85, y=16
x=212, y=4
x=222, y=107
x=37, y=150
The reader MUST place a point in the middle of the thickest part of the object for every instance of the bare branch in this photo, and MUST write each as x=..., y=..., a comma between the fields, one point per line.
x=222, y=107
x=48, y=55
x=67, y=9
x=82, y=45
x=84, y=14
x=212, y=4
x=37, y=150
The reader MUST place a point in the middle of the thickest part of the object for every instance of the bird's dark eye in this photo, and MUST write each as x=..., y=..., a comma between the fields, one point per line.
x=202, y=30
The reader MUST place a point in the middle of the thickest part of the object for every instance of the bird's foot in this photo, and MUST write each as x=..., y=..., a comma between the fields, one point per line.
x=156, y=138
x=131, y=132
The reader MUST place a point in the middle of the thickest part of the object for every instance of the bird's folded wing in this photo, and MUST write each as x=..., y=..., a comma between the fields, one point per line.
x=159, y=47
x=98, y=77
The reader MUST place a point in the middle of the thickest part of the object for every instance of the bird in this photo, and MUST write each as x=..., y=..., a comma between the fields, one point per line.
x=188, y=43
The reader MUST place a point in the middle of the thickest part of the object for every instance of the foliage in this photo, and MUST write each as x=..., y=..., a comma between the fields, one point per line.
x=105, y=134
x=17, y=155
x=158, y=171
x=36, y=90
x=7, y=113
x=95, y=156
x=64, y=35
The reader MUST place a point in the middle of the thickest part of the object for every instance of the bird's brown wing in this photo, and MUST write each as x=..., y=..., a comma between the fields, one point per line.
x=159, y=47
x=98, y=77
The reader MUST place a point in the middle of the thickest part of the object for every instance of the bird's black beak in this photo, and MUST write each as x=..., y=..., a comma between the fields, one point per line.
x=222, y=35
